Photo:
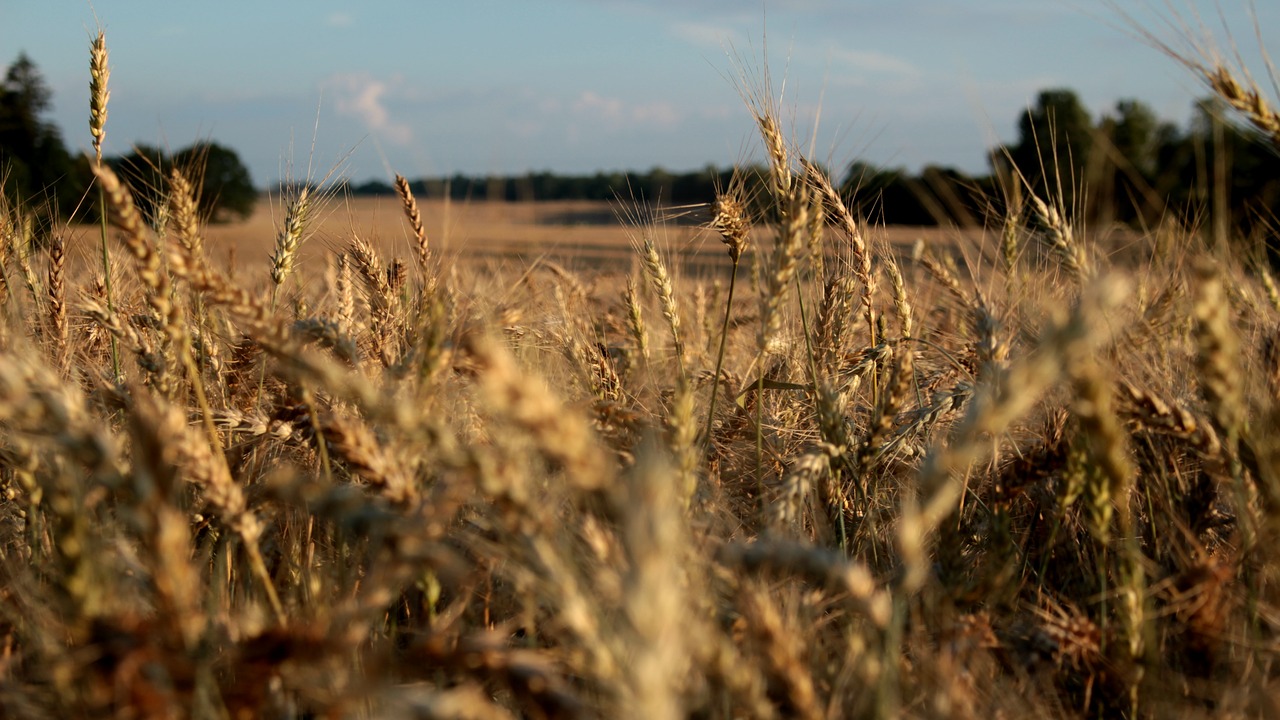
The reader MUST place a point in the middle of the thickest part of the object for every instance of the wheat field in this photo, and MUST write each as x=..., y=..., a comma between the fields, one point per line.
x=378, y=462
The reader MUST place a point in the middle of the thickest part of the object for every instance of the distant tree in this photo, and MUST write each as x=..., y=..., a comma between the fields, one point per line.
x=228, y=190
x=1237, y=168
x=695, y=187
x=1175, y=172
x=949, y=195
x=657, y=185
x=1055, y=138
x=864, y=177
x=1133, y=136
x=1221, y=176
x=381, y=187
x=145, y=169
x=890, y=196
x=34, y=163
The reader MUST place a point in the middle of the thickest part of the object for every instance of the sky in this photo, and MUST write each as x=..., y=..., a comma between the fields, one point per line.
x=300, y=89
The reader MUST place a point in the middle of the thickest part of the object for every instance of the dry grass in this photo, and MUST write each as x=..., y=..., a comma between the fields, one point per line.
x=1023, y=477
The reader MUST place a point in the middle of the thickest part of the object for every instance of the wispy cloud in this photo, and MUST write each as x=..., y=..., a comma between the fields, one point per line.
x=872, y=62
x=619, y=114
x=731, y=9
x=706, y=34
x=339, y=20
x=361, y=96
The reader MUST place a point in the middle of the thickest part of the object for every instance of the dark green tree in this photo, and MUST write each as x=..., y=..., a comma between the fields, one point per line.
x=227, y=189
x=1055, y=138
x=35, y=165
x=1221, y=177
x=949, y=196
x=885, y=195
x=145, y=169
x=1131, y=137
x=1237, y=170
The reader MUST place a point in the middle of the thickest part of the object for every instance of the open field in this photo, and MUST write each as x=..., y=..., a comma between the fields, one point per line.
x=579, y=235
x=593, y=237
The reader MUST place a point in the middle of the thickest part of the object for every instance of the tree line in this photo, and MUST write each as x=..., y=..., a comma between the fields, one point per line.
x=1129, y=166
x=39, y=173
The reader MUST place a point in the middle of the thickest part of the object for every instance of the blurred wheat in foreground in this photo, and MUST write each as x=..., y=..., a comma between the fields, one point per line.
x=1023, y=480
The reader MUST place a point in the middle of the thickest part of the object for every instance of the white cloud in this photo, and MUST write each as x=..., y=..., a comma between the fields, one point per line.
x=703, y=34
x=361, y=96
x=339, y=20
x=871, y=61
x=618, y=113
x=589, y=103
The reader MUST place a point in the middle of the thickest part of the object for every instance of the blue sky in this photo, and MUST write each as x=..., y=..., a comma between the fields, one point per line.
x=504, y=86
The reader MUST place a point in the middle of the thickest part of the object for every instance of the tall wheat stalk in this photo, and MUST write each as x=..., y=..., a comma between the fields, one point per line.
x=58, y=298
x=99, y=94
x=730, y=220
x=660, y=279
x=414, y=216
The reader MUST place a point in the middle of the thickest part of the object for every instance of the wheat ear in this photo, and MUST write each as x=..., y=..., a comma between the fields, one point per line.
x=854, y=235
x=151, y=271
x=289, y=239
x=58, y=297
x=99, y=74
x=1012, y=393
x=414, y=216
x=1246, y=99
x=731, y=221
x=656, y=269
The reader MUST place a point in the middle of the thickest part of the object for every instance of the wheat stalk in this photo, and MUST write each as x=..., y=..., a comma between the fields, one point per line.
x=1011, y=395
x=817, y=564
x=635, y=320
x=654, y=536
x=786, y=260
x=99, y=74
x=563, y=438
x=58, y=298
x=1108, y=453
x=128, y=220
x=901, y=303
x=1218, y=354
x=1062, y=239
x=8, y=236
x=183, y=212
x=99, y=94
x=1246, y=98
x=1151, y=412
x=412, y=214
x=854, y=236
x=346, y=298
x=784, y=652
x=731, y=221
x=289, y=239
x=382, y=300
x=660, y=279
x=355, y=444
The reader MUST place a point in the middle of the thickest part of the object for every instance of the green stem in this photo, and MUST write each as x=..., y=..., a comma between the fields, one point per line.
x=724, y=334
x=106, y=278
